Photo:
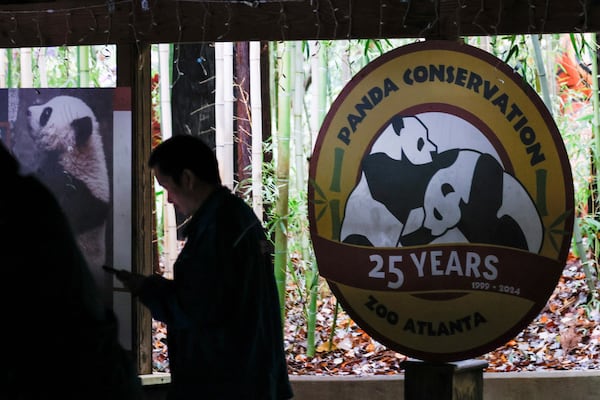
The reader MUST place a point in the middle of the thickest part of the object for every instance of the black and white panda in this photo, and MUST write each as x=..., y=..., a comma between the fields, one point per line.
x=475, y=201
x=410, y=194
x=66, y=133
x=387, y=202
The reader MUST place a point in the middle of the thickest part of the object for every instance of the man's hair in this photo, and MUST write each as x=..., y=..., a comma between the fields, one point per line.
x=181, y=152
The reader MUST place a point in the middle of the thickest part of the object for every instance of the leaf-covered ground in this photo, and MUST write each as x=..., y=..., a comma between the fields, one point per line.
x=564, y=336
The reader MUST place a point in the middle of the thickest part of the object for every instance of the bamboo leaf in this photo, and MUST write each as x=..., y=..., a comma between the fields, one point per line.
x=514, y=50
x=561, y=218
x=320, y=215
x=553, y=242
x=317, y=189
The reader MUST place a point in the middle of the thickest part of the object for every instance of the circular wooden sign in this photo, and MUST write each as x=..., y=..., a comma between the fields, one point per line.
x=440, y=201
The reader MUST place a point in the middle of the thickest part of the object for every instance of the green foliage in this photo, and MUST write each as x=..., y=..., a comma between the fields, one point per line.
x=57, y=67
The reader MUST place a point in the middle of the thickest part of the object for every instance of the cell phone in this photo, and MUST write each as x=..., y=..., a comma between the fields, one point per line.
x=110, y=269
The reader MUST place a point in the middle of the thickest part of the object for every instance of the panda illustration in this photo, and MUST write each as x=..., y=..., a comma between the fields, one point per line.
x=411, y=194
x=475, y=200
x=65, y=131
x=387, y=202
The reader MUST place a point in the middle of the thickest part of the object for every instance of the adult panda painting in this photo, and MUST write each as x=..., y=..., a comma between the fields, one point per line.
x=73, y=165
x=387, y=202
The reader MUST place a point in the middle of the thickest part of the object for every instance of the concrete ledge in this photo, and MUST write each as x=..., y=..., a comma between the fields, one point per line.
x=155, y=386
x=157, y=378
x=555, y=385
x=550, y=385
x=348, y=387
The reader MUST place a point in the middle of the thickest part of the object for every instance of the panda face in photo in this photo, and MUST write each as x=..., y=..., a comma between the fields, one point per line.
x=61, y=124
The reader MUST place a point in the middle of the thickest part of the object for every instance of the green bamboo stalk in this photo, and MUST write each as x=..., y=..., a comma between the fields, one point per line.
x=539, y=62
x=334, y=323
x=83, y=66
x=256, y=123
x=26, y=70
x=42, y=67
x=319, y=103
x=274, y=50
x=3, y=55
x=593, y=48
x=593, y=45
x=583, y=256
x=312, y=279
x=283, y=172
x=78, y=66
x=318, y=62
x=321, y=89
x=9, y=71
x=298, y=90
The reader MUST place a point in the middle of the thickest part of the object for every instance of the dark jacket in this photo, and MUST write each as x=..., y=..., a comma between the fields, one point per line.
x=60, y=340
x=225, y=335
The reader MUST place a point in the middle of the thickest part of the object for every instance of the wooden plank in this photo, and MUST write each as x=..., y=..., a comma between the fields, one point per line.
x=169, y=21
x=133, y=66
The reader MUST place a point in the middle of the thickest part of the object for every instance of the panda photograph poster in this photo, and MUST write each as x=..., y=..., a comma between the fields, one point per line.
x=75, y=141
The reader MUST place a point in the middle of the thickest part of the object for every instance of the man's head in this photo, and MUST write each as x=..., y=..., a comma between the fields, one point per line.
x=187, y=168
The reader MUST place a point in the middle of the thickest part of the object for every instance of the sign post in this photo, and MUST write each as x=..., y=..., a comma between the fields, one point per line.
x=460, y=380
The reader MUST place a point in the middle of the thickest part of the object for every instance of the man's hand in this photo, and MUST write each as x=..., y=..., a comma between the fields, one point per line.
x=133, y=282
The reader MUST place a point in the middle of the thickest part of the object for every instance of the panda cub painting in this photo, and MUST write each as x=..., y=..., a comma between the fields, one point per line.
x=65, y=131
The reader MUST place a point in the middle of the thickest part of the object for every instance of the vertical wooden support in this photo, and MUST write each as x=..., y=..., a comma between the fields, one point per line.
x=133, y=70
x=462, y=380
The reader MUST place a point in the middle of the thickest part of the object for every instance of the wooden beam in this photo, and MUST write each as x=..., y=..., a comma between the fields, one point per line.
x=478, y=18
x=71, y=22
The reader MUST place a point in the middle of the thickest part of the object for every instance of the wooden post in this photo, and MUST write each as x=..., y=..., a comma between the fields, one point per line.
x=462, y=380
x=133, y=70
